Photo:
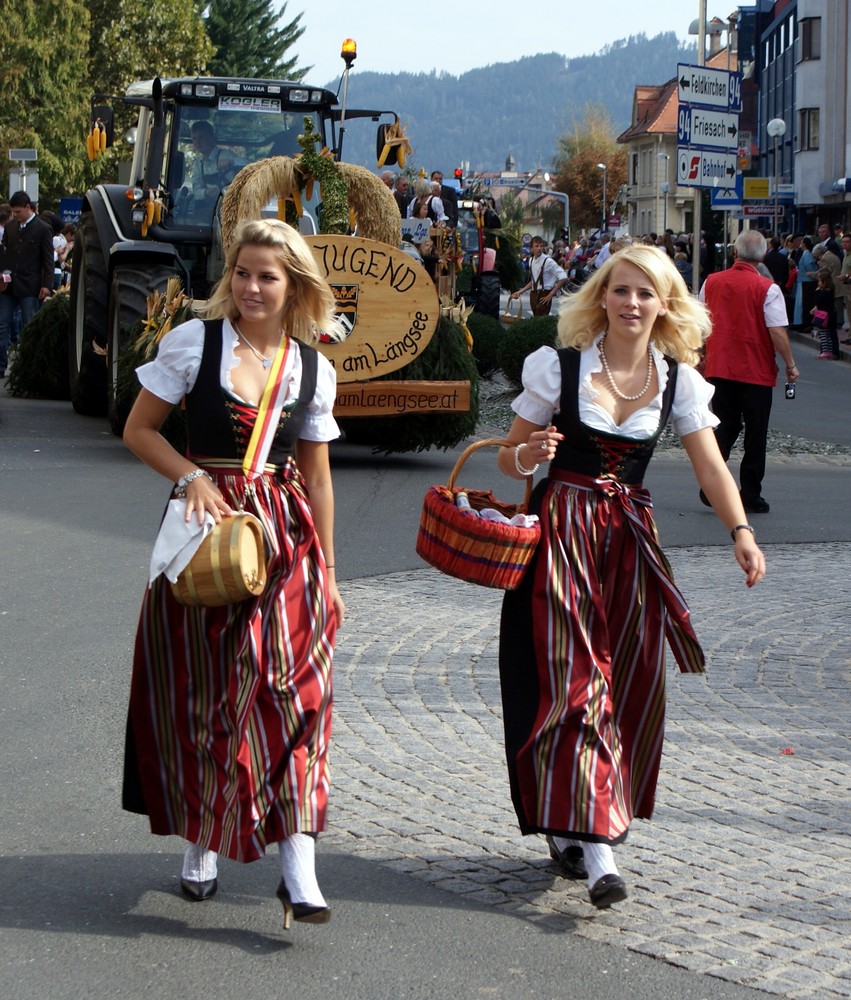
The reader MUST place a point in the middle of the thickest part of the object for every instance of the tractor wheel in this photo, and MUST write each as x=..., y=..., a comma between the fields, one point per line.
x=87, y=325
x=131, y=286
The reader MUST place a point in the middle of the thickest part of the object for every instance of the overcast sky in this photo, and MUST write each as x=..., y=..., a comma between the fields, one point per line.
x=456, y=37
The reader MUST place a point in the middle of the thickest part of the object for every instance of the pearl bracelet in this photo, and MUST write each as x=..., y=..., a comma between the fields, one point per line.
x=519, y=467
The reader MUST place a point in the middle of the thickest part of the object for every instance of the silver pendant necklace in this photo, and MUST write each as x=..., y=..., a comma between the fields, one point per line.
x=266, y=362
x=611, y=379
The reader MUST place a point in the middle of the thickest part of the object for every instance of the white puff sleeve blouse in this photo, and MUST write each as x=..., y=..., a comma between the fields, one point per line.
x=539, y=400
x=174, y=370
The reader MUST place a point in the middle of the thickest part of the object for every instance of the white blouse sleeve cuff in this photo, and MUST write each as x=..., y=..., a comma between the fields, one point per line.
x=541, y=387
x=690, y=411
x=319, y=423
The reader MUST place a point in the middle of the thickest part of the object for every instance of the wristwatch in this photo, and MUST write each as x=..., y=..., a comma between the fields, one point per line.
x=742, y=527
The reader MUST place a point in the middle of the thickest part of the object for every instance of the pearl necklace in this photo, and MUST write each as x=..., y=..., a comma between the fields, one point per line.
x=266, y=362
x=611, y=378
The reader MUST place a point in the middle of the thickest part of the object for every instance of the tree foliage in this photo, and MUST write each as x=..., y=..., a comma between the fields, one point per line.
x=247, y=41
x=45, y=88
x=590, y=142
x=140, y=39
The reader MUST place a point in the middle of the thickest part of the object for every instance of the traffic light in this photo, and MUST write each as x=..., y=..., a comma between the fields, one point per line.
x=459, y=176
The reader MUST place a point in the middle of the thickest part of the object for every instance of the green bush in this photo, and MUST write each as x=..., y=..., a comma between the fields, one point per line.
x=464, y=280
x=41, y=363
x=511, y=273
x=445, y=359
x=520, y=340
x=487, y=334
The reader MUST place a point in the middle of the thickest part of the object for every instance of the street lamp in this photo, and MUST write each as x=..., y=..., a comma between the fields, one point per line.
x=665, y=187
x=775, y=128
x=604, y=227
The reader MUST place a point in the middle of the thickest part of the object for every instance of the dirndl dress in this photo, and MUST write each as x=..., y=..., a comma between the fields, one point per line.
x=582, y=640
x=230, y=707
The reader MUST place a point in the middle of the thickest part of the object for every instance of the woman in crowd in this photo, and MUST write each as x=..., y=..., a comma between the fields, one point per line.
x=230, y=707
x=582, y=639
x=806, y=286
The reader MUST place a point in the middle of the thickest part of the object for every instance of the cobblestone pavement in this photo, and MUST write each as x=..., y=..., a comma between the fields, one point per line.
x=745, y=871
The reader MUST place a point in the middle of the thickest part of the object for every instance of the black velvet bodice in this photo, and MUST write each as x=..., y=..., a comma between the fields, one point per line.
x=219, y=425
x=596, y=453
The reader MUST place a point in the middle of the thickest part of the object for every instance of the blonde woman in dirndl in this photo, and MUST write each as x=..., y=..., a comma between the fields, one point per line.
x=230, y=707
x=582, y=639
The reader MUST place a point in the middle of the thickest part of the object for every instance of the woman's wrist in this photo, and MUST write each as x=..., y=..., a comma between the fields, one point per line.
x=518, y=465
x=734, y=532
x=190, y=477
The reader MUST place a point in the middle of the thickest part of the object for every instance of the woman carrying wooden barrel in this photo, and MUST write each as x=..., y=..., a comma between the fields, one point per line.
x=230, y=707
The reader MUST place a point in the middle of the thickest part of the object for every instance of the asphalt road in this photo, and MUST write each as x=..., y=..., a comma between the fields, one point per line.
x=89, y=906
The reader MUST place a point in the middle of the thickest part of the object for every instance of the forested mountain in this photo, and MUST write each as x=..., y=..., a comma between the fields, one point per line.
x=519, y=108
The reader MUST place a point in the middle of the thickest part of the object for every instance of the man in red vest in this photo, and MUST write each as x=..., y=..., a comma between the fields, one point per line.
x=748, y=328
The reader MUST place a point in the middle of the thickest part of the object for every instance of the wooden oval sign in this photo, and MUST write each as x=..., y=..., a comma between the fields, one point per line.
x=387, y=306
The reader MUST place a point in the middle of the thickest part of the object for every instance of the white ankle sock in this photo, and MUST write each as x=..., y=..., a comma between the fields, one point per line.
x=199, y=864
x=599, y=861
x=298, y=869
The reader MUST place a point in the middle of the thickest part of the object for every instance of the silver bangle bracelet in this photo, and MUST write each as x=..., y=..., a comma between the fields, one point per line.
x=184, y=481
x=519, y=467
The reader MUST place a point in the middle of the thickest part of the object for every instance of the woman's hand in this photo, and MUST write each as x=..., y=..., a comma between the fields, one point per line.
x=542, y=444
x=337, y=601
x=202, y=497
x=749, y=556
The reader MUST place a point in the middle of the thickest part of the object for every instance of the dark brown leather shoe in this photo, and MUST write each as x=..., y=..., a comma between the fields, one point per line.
x=570, y=862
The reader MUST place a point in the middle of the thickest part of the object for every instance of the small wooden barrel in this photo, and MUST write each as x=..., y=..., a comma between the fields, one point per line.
x=229, y=566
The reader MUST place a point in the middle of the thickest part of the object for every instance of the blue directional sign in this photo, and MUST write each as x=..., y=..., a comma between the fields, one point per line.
x=706, y=168
x=712, y=88
x=707, y=128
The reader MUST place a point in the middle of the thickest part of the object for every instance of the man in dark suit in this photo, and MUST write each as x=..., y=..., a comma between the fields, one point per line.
x=777, y=263
x=401, y=194
x=449, y=197
x=26, y=263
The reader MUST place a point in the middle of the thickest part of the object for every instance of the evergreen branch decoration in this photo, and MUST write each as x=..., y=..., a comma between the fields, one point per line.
x=447, y=357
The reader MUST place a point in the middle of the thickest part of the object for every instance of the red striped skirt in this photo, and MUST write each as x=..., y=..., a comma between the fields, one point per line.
x=230, y=708
x=582, y=662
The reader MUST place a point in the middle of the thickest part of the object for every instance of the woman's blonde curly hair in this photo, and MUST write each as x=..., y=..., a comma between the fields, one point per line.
x=680, y=333
x=310, y=304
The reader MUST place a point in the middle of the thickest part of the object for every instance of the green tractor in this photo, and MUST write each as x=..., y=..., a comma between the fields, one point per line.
x=192, y=137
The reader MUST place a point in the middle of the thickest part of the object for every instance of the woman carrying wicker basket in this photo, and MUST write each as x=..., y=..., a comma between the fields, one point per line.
x=230, y=707
x=582, y=639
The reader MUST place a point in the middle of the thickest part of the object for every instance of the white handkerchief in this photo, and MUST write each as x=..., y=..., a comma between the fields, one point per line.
x=177, y=541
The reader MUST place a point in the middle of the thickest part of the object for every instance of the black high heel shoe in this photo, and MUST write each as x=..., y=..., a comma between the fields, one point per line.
x=306, y=913
x=198, y=891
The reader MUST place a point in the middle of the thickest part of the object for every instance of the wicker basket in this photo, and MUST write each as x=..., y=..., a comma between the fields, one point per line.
x=508, y=317
x=484, y=552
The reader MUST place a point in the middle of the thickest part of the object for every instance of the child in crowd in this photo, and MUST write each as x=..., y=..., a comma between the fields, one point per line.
x=824, y=316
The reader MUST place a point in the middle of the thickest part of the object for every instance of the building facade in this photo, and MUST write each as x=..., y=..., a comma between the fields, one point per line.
x=794, y=60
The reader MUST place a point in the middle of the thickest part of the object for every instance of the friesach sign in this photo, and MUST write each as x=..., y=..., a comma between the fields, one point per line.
x=387, y=312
